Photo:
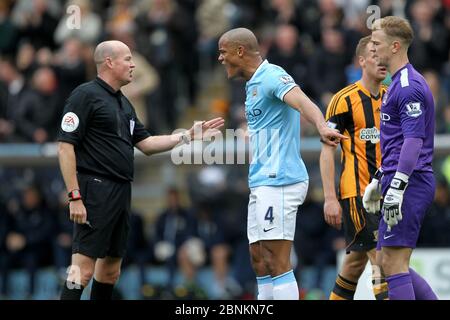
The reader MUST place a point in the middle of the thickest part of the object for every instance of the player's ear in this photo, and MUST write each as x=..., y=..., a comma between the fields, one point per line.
x=240, y=51
x=396, y=46
x=109, y=62
x=361, y=61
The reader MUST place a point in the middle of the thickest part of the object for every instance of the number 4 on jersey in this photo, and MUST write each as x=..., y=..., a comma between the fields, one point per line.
x=269, y=215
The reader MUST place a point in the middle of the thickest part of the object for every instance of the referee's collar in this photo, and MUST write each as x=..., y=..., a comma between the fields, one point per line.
x=107, y=87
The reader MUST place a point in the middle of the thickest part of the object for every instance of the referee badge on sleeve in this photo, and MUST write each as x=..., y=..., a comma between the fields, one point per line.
x=131, y=126
x=70, y=122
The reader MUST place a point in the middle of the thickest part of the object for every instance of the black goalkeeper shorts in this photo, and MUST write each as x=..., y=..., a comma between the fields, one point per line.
x=107, y=205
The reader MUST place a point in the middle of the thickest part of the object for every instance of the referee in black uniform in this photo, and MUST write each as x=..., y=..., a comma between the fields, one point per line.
x=98, y=133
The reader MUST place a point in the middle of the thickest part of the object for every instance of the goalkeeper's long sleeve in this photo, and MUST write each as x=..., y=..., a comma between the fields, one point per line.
x=409, y=154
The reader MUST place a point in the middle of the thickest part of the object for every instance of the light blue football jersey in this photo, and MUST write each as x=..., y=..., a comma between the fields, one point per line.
x=274, y=129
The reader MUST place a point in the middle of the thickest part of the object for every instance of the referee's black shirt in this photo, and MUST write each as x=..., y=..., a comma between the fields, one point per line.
x=102, y=125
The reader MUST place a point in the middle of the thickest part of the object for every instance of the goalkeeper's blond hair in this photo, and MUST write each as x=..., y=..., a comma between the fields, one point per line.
x=395, y=28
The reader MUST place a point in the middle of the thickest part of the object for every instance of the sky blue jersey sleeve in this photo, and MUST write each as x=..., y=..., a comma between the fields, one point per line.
x=279, y=83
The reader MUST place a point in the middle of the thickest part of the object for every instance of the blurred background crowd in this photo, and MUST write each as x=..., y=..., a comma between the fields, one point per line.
x=199, y=227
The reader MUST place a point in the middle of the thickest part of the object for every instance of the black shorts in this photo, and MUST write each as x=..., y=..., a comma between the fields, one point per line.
x=107, y=205
x=360, y=227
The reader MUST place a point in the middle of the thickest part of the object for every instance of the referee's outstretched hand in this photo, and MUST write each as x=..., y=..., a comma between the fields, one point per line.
x=78, y=212
x=206, y=129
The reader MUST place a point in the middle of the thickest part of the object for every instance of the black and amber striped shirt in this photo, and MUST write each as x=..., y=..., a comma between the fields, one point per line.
x=356, y=114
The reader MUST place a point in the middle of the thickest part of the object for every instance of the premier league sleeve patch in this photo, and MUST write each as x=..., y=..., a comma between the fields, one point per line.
x=413, y=109
x=286, y=79
x=70, y=122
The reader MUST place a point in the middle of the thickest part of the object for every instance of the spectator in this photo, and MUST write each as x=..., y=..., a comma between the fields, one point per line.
x=145, y=80
x=138, y=249
x=440, y=97
x=70, y=67
x=165, y=34
x=15, y=88
x=328, y=65
x=212, y=20
x=8, y=31
x=36, y=22
x=38, y=110
x=282, y=12
x=207, y=246
x=437, y=221
x=62, y=236
x=430, y=40
x=25, y=59
x=173, y=227
x=288, y=52
x=28, y=239
x=90, y=25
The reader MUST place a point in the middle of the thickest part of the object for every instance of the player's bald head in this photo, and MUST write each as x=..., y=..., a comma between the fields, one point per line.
x=241, y=37
x=105, y=49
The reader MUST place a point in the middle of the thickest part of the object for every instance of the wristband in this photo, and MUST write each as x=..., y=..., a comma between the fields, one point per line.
x=74, y=195
x=400, y=181
x=378, y=174
x=186, y=137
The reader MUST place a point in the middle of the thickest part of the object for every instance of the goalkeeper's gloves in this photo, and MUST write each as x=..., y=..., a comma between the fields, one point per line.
x=392, y=204
x=372, y=194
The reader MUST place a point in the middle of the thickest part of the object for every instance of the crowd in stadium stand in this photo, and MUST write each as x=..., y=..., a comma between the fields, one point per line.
x=44, y=56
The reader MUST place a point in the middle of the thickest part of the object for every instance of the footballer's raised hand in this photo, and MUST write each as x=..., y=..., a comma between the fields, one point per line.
x=330, y=136
x=206, y=129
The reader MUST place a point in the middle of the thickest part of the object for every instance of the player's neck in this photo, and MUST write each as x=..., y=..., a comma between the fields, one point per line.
x=397, y=63
x=250, y=70
x=370, y=84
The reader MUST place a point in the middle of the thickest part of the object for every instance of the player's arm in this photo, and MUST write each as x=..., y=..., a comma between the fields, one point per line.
x=77, y=112
x=157, y=144
x=298, y=100
x=68, y=167
x=336, y=116
x=332, y=209
x=200, y=130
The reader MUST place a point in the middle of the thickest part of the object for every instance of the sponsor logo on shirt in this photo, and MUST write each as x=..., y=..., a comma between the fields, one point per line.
x=385, y=117
x=413, y=109
x=253, y=114
x=370, y=134
x=70, y=122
